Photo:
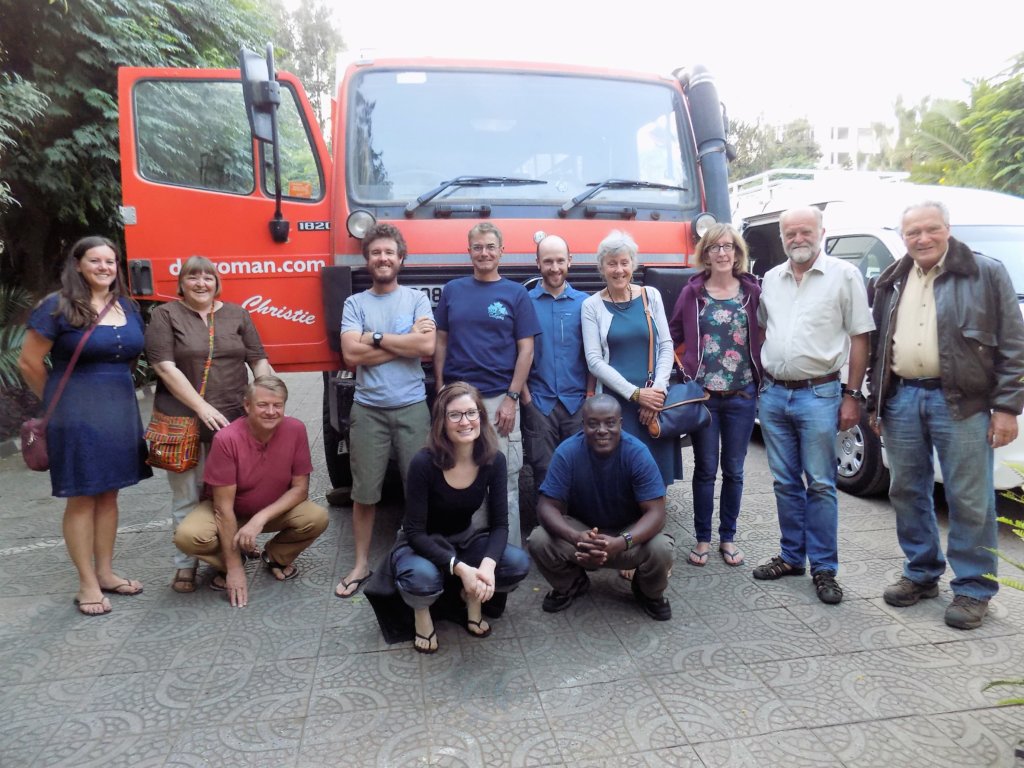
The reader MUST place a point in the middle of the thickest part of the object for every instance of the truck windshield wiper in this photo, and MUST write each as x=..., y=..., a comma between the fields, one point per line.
x=598, y=186
x=468, y=181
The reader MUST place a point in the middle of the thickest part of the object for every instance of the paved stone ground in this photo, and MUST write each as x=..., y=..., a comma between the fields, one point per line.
x=746, y=673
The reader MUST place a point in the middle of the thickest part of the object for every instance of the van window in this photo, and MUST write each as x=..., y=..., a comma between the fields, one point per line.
x=868, y=254
x=194, y=133
x=1005, y=243
x=301, y=175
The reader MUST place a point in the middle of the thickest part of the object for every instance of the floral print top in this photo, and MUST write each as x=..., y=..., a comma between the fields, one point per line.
x=725, y=349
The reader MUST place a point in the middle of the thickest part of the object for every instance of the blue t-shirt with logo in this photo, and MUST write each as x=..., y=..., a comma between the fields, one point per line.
x=484, y=320
x=603, y=492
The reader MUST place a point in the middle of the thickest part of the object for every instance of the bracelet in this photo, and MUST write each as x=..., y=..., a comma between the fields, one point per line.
x=635, y=397
x=452, y=564
x=629, y=539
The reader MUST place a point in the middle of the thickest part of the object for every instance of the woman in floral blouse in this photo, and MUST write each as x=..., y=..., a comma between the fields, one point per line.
x=716, y=319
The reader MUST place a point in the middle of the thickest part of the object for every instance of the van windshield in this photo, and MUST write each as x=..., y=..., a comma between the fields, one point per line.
x=999, y=242
x=411, y=130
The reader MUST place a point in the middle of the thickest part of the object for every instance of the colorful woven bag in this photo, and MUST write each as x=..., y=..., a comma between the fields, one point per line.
x=173, y=442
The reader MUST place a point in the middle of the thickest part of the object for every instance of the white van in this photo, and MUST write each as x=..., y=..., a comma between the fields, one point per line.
x=862, y=212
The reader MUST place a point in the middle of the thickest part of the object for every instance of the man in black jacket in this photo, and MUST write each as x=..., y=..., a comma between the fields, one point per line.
x=946, y=373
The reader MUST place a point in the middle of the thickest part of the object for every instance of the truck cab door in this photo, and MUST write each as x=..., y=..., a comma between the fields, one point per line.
x=195, y=182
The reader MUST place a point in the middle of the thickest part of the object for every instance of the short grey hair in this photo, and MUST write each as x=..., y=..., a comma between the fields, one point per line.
x=819, y=218
x=617, y=242
x=940, y=207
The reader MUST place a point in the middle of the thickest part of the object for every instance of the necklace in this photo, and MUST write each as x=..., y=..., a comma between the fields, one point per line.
x=620, y=305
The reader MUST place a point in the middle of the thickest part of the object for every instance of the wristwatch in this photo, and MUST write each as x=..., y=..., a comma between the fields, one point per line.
x=856, y=394
x=378, y=337
x=512, y=395
x=629, y=539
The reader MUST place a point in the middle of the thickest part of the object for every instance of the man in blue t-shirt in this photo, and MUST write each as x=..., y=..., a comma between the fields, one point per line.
x=602, y=505
x=559, y=380
x=485, y=330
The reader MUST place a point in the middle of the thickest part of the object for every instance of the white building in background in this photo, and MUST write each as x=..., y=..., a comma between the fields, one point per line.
x=851, y=146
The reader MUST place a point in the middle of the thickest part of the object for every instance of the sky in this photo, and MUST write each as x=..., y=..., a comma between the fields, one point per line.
x=835, y=62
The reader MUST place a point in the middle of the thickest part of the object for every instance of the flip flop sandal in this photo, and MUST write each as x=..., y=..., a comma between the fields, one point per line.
x=222, y=587
x=482, y=633
x=271, y=565
x=117, y=590
x=429, y=638
x=734, y=558
x=80, y=605
x=698, y=559
x=357, y=583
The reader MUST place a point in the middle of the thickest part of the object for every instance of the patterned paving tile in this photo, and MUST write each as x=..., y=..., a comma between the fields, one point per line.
x=141, y=702
x=475, y=733
x=365, y=681
x=594, y=721
x=101, y=743
x=859, y=625
x=247, y=744
x=917, y=741
x=680, y=645
x=775, y=633
x=725, y=592
x=393, y=737
x=488, y=668
x=565, y=660
x=790, y=748
x=720, y=703
x=990, y=736
x=234, y=693
x=22, y=738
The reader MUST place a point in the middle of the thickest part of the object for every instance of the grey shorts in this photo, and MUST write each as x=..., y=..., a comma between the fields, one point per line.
x=373, y=434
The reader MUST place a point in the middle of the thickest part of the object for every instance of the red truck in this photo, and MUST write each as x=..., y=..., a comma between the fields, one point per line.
x=231, y=164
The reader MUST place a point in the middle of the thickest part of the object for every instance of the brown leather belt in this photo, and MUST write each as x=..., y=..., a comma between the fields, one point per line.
x=805, y=383
x=919, y=383
x=728, y=393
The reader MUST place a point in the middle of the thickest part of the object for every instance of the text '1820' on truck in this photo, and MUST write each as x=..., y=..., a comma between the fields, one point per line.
x=231, y=164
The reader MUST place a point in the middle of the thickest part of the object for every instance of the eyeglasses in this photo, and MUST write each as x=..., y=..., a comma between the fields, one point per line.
x=721, y=248
x=490, y=248
x=456, y=416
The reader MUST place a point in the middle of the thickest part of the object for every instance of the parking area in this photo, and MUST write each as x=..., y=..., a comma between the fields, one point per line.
x=746, y=673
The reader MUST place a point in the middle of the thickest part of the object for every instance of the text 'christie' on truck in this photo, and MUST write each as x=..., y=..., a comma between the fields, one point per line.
x=232, y=165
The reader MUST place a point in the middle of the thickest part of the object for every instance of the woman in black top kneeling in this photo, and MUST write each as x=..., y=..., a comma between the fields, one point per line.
x=459, y=472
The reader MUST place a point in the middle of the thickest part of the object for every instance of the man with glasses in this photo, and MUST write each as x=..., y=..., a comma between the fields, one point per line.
x=946, y=374
x=602, y=505
x=385, y=330
x=814, y=312
x=485, y=330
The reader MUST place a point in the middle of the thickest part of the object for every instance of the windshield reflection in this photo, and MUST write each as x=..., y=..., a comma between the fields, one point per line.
x=415, y=130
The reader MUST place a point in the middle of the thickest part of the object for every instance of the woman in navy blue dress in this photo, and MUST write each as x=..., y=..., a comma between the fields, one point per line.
x=95, y=435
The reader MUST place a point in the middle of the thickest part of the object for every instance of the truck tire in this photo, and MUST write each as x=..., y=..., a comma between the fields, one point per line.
x=860, y=470
x=338, y=468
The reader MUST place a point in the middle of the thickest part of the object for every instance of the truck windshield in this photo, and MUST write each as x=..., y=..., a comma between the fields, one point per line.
x=413, y=130
x=1005, y=243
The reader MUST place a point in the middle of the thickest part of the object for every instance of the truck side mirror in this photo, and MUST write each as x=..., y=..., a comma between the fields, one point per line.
x=262, y=94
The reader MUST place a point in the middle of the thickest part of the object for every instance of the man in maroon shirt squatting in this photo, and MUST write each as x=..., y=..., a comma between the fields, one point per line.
x=258, y=471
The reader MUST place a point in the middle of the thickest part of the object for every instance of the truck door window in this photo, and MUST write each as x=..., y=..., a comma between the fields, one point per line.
x=301, y=175
x=194, y=133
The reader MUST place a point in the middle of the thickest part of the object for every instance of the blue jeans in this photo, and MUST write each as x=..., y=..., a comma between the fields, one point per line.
x=420, y=582
x=914, y=421
x=799, y=428
x=725, y=439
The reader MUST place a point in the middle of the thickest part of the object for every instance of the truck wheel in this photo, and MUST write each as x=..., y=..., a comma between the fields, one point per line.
x=338, y=468
x=860, y=471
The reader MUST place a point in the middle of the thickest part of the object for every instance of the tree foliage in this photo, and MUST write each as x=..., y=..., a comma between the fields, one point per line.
x=62, y=166
x=761, y=147
x=978, y=143
x=307, y=45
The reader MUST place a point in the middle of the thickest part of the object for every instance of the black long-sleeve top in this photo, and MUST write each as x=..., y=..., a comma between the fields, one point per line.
x=434, y=507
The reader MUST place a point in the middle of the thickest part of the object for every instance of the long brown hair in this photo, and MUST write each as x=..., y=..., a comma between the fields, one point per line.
x=438, y=443
x=712, y=236
x=75, y=295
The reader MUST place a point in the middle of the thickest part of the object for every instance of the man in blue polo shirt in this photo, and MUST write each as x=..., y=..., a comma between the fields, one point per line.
x=559, y=380
x=602, y=505
x=485, y=330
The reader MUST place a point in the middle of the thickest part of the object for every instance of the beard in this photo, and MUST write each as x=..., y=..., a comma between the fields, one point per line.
x=801, y=254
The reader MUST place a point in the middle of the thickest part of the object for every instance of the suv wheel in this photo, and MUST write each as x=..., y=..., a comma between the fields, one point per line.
x=860, y=470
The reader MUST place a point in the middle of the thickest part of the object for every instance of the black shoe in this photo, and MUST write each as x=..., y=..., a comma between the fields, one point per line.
x=829, y=591
x=776, y=568
x=340, y=497
x=906, y=592
x=657, y=608
x=966, y=612
x=555, y=601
